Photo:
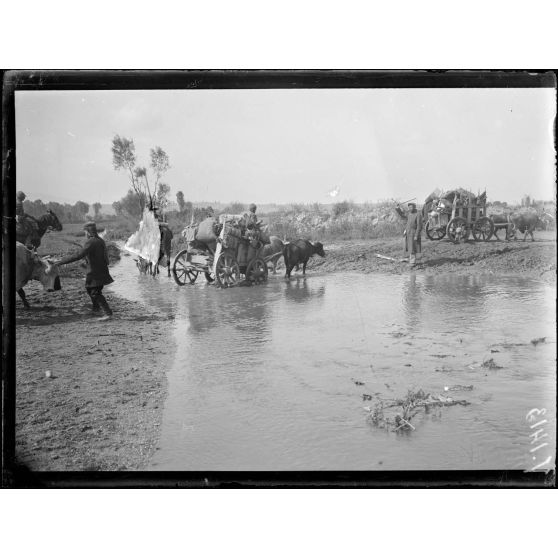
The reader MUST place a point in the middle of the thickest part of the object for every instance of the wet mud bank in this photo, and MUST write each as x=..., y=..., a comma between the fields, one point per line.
x=532, y=259
x=89, y=394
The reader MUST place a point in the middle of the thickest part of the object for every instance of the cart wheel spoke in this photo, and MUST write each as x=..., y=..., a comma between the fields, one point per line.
x=227, y=272
x=256, y=271
x=182, y=270
x=457, y=229
x=434, y=232
x=483, y=229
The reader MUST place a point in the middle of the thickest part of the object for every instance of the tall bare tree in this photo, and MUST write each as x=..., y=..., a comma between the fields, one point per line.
x=124, y=158
x=159, y=163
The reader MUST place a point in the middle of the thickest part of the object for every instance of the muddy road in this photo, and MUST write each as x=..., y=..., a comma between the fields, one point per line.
x=103, y=406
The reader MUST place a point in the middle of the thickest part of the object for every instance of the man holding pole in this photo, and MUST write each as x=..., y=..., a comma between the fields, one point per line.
x=412, y=232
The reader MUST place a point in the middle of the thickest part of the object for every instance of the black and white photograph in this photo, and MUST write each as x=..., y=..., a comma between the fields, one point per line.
x=282, y=272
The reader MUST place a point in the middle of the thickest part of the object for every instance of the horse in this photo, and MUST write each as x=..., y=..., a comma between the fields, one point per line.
x=30, y=231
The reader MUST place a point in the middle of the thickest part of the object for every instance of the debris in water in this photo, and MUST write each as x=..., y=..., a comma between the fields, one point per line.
x=397, y=414
x=494, y=351
x=366, y=397
x=458, y=388
x=538, y=340
x=490, y=364
x=357, y=382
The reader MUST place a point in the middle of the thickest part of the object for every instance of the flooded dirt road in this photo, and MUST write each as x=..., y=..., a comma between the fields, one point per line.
x=272, y=377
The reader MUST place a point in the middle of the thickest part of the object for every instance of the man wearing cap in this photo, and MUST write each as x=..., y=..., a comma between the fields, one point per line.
x=412, y=232
x=95, y=253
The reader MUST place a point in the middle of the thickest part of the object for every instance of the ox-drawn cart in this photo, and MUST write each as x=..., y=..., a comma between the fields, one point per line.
x=234, y=255
x=458, y=214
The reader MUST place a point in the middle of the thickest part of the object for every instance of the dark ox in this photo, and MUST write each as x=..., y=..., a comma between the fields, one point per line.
x=273, y=251
x=525, y=223
x=502, y=221
x=299, y=252
x=30, y=266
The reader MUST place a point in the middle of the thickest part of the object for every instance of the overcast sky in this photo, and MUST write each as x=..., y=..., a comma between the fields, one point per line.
x=291, y=145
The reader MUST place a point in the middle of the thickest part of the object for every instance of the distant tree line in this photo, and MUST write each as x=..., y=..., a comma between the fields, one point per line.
x=66, y=212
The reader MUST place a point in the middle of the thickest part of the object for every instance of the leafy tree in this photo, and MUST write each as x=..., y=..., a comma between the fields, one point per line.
x=128, y=205
x=159, y=163
x=124, y=158
x=97, y=208
x=34, y=208
x=81, y=209
x=162, y=195
x=117, y=206
x=180, y=201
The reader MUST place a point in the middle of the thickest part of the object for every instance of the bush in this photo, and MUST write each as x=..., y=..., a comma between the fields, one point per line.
x=340, y=208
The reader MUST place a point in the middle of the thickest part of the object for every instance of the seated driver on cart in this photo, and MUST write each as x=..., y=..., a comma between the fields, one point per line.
x=250, y=218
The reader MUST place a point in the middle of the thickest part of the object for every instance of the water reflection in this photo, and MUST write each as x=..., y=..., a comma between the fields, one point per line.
x=300, y=291
x=263, y=377
x=412, y=301
x=202, y=311
x=467, y=294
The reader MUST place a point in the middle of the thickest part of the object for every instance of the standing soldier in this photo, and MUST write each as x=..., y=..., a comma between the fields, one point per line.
x=95, y=253
x=412, y=232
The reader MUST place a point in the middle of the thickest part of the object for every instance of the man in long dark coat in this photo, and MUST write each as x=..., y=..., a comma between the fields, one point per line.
x=95, y=253
x=413, y=230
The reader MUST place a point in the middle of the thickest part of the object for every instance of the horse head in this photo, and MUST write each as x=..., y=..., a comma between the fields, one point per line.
x=51, y=221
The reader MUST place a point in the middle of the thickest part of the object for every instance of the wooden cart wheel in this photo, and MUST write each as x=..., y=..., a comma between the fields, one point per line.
x=256, y=272
x=227, y=272
x=457, y=229
x=434, y=233
x=182, y=270
x=483, y=229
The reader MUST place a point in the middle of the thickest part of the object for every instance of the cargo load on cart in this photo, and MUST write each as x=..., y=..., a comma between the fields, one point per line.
x=457, y=213
x=226, y=250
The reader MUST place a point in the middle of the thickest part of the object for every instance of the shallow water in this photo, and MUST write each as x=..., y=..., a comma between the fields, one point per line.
x=264, y=377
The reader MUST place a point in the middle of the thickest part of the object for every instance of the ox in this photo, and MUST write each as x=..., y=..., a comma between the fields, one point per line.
x=30, y=266
x=299, y=252
x=273, y=251
x=525, y=223
x=503, y=221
